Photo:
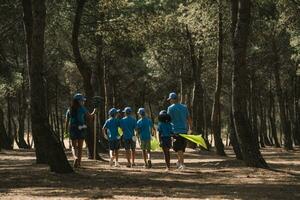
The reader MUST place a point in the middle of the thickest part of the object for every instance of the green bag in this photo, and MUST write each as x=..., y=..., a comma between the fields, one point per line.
x=198, y=139
x=155, y=146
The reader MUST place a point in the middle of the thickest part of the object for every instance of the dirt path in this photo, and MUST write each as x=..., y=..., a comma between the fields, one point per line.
x=207, y=177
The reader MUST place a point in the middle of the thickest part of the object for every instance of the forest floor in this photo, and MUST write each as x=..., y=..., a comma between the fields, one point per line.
x=207, y=177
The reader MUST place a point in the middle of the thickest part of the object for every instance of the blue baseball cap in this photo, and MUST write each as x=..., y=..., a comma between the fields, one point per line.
x=172, y=95
x=163, y=112
x=112, y=111
x=79, y=97
x=141, y=111
x=127, y=110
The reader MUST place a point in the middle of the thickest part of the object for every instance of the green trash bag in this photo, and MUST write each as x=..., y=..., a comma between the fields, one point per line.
x=155, y=144
x=197, y=139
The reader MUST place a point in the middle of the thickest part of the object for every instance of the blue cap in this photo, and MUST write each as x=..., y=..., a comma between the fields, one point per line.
x=172, y=95
x=112, y=111
x=79, y=97
x=127, y=110
x=163, y=112
x=141, y=111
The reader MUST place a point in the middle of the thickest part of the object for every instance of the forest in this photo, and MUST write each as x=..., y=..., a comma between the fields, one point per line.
x=235, y=64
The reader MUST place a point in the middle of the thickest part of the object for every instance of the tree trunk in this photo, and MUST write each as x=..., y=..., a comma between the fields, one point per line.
x=86, y=74
x=197, y=100
x=5, y=141
x=9, y=121
x=251, y=154
x=48, y=147
x=253, y=106
x=216, y=109
x=296, y=132
x=21, y=117
x=287, y=139
x=271, y=114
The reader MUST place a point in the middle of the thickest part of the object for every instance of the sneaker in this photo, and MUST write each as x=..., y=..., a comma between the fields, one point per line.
x=145, y=166
x=167, y=169
x=75, y=164
x=181, y=167
x=177, y=164
x=111, y=162
x=117, y=164
x=128, y=165
x=149, y=164
x=133, y=165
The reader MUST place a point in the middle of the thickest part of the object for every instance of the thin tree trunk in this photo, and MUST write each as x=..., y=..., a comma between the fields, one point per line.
x=286, y=129
x=216, y=109
x=251, y=154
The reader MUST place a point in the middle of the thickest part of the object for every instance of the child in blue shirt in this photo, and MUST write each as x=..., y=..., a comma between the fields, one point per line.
x=165, y=133
x=128, y=125
x=144, y=127
x=110, y=129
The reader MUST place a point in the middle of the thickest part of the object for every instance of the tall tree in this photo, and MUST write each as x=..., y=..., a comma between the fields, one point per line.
x=240, y=81
x=216, y=110
x=45, y=141
x=86, y=73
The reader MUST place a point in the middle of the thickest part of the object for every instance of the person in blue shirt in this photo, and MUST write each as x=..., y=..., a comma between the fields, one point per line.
x=128, y=125
x=110, y=129
x=144, y=128
x=165, y=132
x=77, y=116
x=181, y=123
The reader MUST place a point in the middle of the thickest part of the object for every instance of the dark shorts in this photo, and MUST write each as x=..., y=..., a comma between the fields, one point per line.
x=129, y=144
x=166, y=142
x=76, y=134
x=146, y=145
x=179, y=143
x=114, y=145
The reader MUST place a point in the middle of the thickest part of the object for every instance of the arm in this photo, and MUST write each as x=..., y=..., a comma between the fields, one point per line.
x=104, y=132
x=190, y=123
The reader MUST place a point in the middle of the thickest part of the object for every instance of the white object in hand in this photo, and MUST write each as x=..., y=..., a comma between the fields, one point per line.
x=82, y=127
x=133, y=138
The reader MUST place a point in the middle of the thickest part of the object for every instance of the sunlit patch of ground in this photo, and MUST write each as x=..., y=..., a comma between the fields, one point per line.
x=207, y=177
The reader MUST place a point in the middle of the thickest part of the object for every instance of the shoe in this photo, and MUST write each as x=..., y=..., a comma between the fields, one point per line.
x=167, y=169
x=145, y=166
x=128, y=165
x=181, y=167
x=177, y=164
x=149, y=164
x=117, y=164
x=133, y=165
x=75, y=164
x=111, y=162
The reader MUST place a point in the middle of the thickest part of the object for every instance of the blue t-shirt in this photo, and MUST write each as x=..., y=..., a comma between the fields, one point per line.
x=79, y=118
x=128, y=124
x=112, y=125
x=164, y=129
x=179, y=115
x=144, y=126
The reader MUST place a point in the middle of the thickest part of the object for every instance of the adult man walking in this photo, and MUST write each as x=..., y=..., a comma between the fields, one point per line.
x=181, y=123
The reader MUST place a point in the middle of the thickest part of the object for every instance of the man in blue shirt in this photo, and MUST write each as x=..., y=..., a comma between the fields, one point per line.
x=110, y=129
x=181, y=123
x=144, y=127
x=128, y=125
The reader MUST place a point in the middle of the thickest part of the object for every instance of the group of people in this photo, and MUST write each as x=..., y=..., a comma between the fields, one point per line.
x=121, y=126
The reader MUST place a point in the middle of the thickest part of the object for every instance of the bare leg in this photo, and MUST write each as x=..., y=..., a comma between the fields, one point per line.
x=80, y=144
x=133, y=155
x=180, y=157
x=117, y=155
x=167, y=157
x=128, y=157
x=145, y=156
